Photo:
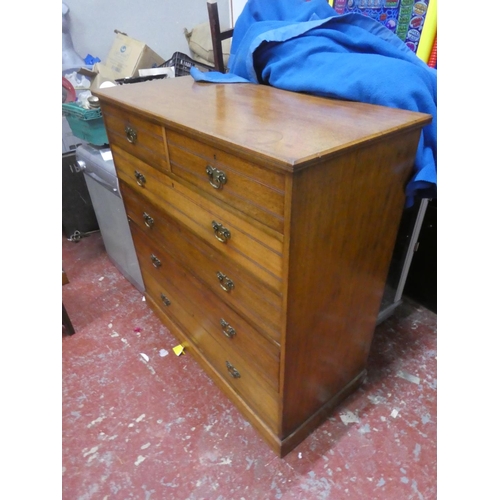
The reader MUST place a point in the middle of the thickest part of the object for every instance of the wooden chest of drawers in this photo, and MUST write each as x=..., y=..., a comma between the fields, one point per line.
x=264, y=222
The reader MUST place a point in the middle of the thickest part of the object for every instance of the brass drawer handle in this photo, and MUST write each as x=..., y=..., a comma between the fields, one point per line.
x=141, y=180
x=155, y=260
x=225, y=283
x=216, y=177
x=165, y=300
x=220, y=232
x=232, y=370
x=148, y=220
x=227, y=329
x=131, y=134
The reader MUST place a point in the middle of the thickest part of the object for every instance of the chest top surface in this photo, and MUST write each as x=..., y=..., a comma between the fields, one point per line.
x=289, y=129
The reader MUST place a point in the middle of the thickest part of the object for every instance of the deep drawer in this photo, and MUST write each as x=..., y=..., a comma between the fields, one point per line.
x=252, y=189
x=136, y=135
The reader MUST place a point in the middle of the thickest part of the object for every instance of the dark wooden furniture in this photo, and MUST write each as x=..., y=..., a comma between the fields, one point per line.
x=217, y=35
x=66, y=321
x=264, y=222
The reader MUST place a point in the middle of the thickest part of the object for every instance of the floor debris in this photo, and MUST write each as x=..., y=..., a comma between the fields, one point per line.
x=408, y=376
x=348, y=417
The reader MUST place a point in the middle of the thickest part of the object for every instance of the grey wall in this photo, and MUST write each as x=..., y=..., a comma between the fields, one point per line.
x=158, y=23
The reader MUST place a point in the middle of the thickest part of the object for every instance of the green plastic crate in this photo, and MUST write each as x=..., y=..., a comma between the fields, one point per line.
x=86, y=124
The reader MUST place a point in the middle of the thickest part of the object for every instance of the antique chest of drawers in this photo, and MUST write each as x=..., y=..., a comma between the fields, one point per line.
x=264, y=222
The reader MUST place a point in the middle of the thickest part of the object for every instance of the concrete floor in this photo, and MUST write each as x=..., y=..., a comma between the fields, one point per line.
x=138, y=422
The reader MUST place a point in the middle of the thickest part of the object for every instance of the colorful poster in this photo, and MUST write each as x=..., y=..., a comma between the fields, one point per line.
x=405, y=18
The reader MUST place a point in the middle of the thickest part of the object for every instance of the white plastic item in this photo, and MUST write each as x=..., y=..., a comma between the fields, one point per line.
x=70, y=59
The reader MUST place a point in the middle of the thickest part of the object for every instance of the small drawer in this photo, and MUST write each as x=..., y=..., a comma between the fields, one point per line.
x=136, y=135
x=239, y=372
x=251, y=189
x=138, y=175
x=236, y=239
x=260, y=305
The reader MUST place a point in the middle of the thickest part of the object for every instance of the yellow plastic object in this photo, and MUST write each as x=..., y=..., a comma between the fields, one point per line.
x=178, y=349
x=429, y=32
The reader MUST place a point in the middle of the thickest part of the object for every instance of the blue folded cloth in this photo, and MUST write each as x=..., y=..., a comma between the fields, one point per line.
x=305, y=46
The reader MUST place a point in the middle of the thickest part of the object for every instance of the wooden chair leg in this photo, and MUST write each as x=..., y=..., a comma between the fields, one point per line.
x=217, y=36
x=67, y=322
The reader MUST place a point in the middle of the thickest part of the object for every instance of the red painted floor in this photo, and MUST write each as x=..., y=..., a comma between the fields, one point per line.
x=139, y=422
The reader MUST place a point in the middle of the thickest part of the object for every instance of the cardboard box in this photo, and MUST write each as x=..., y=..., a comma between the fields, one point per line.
x=124, y=59
x=99, y=74
x=128, y=55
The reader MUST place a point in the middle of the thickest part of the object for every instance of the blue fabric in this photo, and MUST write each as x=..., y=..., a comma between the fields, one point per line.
x=305, y=46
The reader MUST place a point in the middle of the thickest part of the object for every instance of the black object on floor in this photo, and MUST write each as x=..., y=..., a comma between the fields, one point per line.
x=77, y=209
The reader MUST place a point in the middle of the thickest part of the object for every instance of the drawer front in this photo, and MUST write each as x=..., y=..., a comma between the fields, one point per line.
x=215, y=226
x=237, y=370
x=219, y=320
x=253, y=190
x=139, y=176
x=258, y=304
x=136, y=135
